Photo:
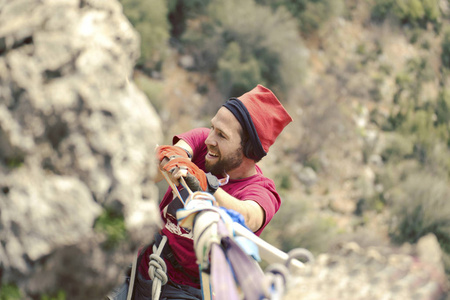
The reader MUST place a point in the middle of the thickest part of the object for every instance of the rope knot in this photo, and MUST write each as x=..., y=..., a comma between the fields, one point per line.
x=157, y=268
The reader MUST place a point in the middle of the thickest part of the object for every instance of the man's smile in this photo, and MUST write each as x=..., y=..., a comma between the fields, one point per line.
x=211, y=155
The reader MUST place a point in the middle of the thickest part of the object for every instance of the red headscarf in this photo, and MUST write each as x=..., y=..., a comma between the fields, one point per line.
x=267, y=113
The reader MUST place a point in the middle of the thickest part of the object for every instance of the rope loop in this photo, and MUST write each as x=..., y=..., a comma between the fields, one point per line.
x=275, y=281
x=300, y=253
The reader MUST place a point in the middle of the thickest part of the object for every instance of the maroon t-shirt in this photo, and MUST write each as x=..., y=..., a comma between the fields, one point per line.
x=257, y=188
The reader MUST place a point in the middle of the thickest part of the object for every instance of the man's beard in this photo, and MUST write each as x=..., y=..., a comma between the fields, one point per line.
x=225, y=164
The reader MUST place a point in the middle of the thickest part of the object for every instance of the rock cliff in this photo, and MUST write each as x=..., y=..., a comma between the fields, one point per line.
x=76, y=142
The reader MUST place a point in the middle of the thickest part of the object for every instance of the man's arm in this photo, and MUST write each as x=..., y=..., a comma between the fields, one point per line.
x=251, y=211
x=185, y=146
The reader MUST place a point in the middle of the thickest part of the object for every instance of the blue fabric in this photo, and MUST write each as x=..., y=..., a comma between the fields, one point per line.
x=235, y=216
x=248, y=246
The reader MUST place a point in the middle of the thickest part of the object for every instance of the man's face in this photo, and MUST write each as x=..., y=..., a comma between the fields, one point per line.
x=224, y=143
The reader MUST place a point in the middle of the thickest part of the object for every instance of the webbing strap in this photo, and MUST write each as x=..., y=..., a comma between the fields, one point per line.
x=222, y=281
x=248, y=273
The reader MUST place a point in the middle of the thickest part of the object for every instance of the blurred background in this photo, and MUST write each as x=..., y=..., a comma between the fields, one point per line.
x=366, y=160
x=367, y=82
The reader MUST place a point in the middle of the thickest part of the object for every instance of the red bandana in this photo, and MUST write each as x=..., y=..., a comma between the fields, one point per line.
x=268, y=114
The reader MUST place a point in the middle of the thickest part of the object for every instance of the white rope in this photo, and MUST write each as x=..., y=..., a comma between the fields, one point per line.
x=157, y=269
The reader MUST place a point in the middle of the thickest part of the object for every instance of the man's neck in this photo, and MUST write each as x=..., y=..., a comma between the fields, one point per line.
x=246, y=169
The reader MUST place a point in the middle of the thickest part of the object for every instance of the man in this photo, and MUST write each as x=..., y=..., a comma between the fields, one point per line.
x=240, y=135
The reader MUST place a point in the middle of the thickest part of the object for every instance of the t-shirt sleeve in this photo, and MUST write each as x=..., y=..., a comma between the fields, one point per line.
x=266, y=196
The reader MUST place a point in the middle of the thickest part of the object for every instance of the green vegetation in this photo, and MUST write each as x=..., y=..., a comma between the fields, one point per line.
x=311, y=14
x=420, y=206
x=181, y=11
x=413, y=12
x=445, y=55
x=417, y=154
x=298, y=226
x=247, y=46
x=14, y=161
x=112, y=225
x=251, y=45
x=149, y=17
x=61, y=295
x=10, y=292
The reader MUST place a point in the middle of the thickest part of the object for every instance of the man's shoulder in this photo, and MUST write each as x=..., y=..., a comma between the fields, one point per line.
x=264, y=181
x=192, y=135
x=257, y=181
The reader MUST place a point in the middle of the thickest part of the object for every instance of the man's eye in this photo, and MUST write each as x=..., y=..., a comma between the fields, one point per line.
x=221, y=135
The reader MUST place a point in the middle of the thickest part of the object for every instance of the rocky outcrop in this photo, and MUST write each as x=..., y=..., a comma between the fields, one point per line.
x=76, y=142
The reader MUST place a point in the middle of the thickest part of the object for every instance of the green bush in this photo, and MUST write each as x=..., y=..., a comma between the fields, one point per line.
x=420, y=206
x=414, y=12
x=420, y=126
x=442, y=112
x=180, y=11
x=398, y=147
x=409, y=83
x=409, y=11
x=13, y=162
x=283, y=180
x=432, y=10
x=296, y=225
x=9, y=292
x=150, y=18
x=61, y=295
x=445, y=55
x=381, y=9
x=409, y=92
x=317, y=13
x=311, y=14
x=111, y=224
x=265, y=43
x=236, y=76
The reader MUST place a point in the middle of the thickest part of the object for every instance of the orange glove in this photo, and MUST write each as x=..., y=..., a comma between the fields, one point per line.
x=170, y=152
x=196, y=179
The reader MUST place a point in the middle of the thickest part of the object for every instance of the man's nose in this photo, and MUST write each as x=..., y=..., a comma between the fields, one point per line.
x=210, y=141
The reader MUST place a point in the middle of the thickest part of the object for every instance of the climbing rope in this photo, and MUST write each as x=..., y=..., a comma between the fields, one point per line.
x=157, y=269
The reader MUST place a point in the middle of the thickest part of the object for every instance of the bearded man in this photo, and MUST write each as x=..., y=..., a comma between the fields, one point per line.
x=240, y=135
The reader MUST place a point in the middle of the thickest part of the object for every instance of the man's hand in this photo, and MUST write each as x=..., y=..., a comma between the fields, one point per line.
x=166, y=152
x=170, y=152
x=194, y=184
x=195, y=178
